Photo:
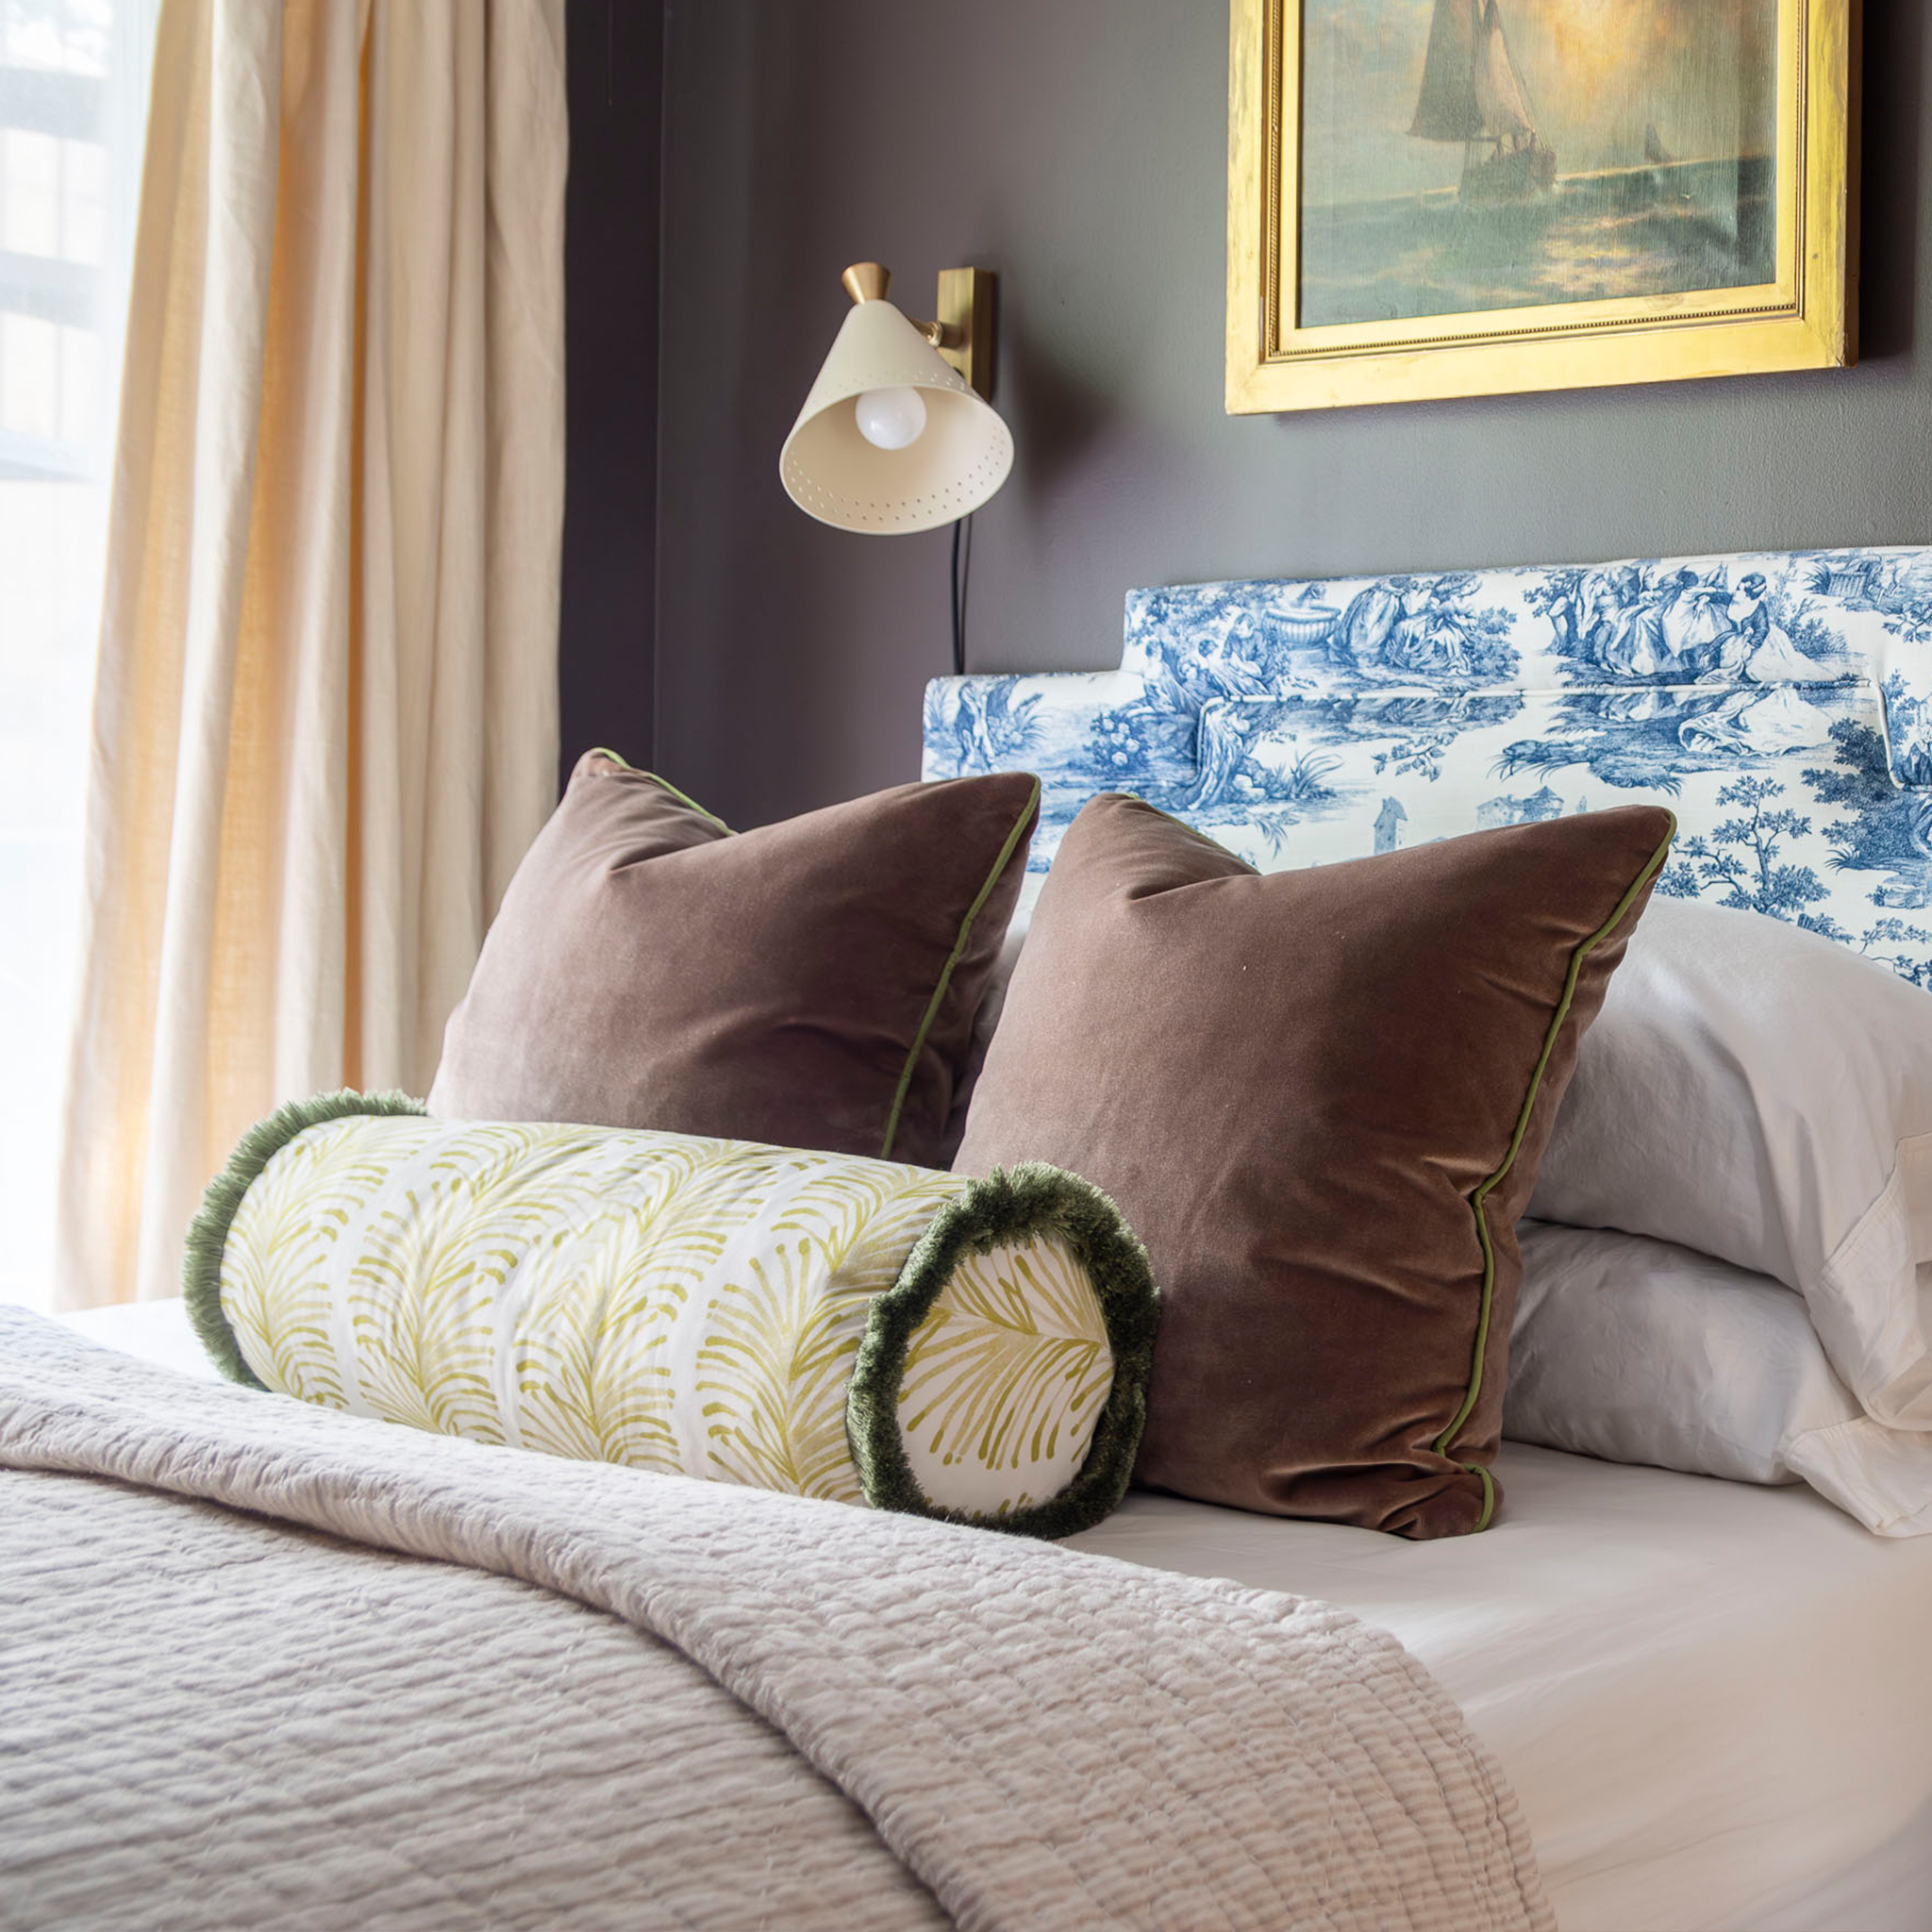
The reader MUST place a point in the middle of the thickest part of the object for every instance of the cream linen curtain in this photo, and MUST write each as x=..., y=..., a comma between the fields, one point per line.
x=326, y=723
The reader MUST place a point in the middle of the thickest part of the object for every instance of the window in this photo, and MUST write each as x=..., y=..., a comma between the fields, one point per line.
x=73, y=76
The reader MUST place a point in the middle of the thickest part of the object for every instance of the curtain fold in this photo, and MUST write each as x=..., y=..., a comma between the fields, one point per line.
x=325, y=718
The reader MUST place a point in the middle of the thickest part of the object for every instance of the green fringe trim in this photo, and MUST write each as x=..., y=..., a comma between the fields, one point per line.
x=1012, y=1204
x=208, y=1233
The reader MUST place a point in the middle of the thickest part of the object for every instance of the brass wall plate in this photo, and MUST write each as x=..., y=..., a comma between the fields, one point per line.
x=965, y=314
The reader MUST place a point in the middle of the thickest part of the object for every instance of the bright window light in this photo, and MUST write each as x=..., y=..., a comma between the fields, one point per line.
x=74, y=78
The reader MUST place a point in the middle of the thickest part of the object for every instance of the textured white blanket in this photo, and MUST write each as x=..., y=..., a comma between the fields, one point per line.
x=616, y=1699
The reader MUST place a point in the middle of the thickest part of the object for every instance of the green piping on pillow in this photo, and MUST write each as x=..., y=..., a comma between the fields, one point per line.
x=617, y=758
x=208, y=1233
x=1012, y=1206
x=1479, y=1200
x=939, y=992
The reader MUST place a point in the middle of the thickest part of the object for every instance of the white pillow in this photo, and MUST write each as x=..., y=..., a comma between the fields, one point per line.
x=1636, y=1350
x=1765, y=1095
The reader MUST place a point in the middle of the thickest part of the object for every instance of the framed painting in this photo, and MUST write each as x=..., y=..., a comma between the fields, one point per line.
x=1469, y=197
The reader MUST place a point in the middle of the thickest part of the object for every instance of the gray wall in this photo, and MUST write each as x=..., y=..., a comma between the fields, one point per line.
x=610, y=253
x=1078, y=148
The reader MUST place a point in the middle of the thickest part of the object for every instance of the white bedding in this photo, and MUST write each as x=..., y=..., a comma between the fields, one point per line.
x=1713, y=1700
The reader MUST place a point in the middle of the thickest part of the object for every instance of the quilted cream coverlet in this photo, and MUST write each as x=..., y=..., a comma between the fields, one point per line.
x=427, y=1683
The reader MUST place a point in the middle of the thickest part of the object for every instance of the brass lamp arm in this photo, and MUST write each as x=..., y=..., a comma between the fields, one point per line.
x=942, y=335
x=963, y=334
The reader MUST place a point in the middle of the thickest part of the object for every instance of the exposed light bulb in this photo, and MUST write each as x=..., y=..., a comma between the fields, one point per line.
x=891, y=418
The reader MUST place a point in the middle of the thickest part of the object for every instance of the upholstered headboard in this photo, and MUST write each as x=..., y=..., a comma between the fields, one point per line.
x=1782, y=704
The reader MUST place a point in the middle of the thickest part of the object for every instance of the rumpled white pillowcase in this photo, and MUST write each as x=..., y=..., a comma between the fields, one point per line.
x=1637, y=1350
x=1764, y=1094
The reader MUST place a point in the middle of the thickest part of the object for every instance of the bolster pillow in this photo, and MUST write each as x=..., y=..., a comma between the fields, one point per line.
x=816, y=1323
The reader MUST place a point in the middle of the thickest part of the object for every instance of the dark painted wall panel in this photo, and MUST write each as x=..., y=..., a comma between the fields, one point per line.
x=615, y=53
x=1078, y=148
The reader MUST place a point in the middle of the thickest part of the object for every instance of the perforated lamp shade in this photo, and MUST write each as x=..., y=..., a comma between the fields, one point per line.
x=833, y=472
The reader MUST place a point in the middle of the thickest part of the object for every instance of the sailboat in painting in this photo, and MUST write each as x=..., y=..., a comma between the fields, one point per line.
x=1471, y=92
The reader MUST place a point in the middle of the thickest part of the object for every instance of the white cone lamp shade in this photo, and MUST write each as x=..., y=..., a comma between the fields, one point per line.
x=951, y=463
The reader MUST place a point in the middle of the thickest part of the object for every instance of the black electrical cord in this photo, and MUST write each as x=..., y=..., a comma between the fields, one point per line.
x=962, y=565
x=953, y=605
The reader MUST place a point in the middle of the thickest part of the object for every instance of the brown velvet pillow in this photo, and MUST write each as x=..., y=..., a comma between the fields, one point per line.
x=1318, y=1097
x=811, y=984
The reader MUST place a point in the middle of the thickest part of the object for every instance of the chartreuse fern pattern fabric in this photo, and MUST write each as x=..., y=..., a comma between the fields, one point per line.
x=688, y=1306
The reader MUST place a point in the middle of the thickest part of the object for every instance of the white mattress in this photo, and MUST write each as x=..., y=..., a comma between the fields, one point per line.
x=1714, y=1701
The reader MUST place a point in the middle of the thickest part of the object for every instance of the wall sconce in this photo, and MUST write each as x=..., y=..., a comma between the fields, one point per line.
x=897, y=434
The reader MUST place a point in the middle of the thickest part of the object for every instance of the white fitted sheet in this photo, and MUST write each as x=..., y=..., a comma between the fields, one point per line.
x=1714, y=1701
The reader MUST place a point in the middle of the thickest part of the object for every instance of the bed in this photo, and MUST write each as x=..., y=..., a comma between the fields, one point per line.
x=1708, y=1698
x=1673, y=1714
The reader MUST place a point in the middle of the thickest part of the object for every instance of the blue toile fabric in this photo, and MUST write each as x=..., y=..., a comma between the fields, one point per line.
x=1781, y=705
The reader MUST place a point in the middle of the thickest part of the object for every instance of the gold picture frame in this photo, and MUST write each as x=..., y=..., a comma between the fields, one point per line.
x=1803, y=315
